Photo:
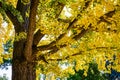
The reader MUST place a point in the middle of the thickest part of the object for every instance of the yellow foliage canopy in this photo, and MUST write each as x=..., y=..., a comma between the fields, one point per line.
x=75, y=30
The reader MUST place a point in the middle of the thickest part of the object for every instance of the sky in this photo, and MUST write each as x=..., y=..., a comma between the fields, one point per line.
x=7, y=72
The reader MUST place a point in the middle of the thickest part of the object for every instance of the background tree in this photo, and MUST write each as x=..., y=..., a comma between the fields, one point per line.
x=92, y=74
x=51, y=33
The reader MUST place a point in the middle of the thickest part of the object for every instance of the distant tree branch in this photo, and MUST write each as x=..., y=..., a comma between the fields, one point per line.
x=42, y=57
x=110, y=13
x=106, y=16
x=79, y=53
x=67, y=57
x=106, y=48
x=64, y=20
x=87, y=4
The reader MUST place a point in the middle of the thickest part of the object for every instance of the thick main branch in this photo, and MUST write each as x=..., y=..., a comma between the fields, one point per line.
x=31, y=28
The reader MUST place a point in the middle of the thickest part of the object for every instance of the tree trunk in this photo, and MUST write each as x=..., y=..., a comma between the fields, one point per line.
x=21, y=68
x=23, y=71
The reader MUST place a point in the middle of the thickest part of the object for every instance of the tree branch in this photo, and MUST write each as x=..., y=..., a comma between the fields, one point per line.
x=10, y=16
x=13, y=18
x=67, y=57
x=22, y=8
x=106, y=16
x=31, y=28
x=37, y=37
x=82, y=33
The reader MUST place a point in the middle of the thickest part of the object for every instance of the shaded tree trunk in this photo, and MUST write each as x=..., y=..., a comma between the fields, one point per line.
x=21, y=68
x=23, y=71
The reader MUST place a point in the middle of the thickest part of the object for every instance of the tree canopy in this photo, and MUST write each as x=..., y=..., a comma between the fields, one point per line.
x=66, y=34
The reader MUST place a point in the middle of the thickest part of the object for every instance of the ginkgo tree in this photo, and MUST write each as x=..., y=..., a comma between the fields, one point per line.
x=47, y=34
